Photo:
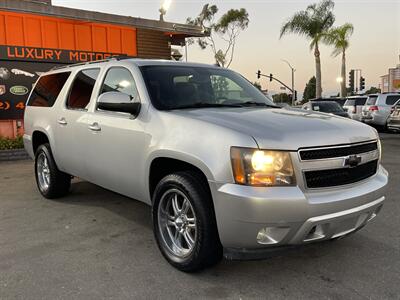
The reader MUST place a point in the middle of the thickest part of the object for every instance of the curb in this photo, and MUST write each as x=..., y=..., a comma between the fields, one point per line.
x=14, y=154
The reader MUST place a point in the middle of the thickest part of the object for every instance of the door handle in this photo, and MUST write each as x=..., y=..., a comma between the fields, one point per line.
x=95, y=127
x=62, y=121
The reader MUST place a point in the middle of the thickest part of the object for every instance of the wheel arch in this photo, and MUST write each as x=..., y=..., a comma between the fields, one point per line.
x=162, y=165
x=39, y=137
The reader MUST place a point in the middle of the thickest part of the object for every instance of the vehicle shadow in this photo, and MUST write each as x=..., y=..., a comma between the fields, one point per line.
x=87, y=194
x=139, y=214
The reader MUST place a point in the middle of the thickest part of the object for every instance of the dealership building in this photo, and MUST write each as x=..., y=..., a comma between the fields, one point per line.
x=36, y=36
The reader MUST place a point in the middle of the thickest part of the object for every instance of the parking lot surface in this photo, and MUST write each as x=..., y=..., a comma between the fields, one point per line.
x=95, y=244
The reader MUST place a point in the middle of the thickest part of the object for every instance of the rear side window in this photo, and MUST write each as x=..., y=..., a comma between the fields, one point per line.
x=82, y=88
x=361, y=101
x=371, y=100
x=350, y=102
x=391, y=100
x=47, y=89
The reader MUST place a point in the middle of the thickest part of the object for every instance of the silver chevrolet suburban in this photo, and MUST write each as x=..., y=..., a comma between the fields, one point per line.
x=225, y=171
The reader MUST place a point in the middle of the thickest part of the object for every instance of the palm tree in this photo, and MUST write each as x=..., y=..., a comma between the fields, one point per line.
x=339, y=38
x=312, y=23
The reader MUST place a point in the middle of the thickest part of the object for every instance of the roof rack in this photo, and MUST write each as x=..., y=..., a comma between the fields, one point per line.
x=113, y=58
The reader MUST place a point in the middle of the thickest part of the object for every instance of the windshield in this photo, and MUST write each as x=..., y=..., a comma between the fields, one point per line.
x=328, y=107
x=175, y=87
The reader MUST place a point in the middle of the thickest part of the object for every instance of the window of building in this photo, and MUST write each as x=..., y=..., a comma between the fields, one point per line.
x=82, y=88
x=47, y=89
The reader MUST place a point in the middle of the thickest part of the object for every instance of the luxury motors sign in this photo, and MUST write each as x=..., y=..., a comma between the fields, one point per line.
x=22, y=53
x=21, y=66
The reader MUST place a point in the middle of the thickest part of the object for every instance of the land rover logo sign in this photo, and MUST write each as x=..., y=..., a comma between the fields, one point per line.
x=19, y=90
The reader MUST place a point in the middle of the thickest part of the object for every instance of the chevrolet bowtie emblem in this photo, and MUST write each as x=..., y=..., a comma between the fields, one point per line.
x=352, y=161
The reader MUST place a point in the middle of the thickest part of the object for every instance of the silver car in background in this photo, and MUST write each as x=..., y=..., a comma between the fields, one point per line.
x=354, y=106
x=377, y=109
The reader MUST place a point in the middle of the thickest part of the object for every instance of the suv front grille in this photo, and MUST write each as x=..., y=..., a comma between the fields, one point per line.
x=335, y=177
x=337, y=151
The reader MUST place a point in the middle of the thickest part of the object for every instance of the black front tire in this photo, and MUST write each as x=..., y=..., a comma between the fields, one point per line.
x=207, y=249
x=58, y=183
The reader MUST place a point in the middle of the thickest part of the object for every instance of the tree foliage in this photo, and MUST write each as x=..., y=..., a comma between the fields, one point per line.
x=373, y=90
x=339, y=38
x=257, y=85
x=227, y=28
x=309, y=90
x=312, y=24
x=282, y=98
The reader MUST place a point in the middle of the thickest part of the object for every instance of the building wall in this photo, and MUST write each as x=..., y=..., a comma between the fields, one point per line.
x=394, y=79
x=153, y=44
x=30, y=30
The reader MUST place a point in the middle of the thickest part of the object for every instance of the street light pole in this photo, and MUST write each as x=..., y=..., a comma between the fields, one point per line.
x=293, y=70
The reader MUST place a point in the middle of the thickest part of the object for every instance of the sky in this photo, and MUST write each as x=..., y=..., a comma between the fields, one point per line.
x=374, y=46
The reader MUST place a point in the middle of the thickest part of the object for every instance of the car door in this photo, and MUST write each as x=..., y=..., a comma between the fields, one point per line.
x=71, y=125
x=116, y=140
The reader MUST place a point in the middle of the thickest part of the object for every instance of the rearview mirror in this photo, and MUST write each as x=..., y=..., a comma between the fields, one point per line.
x=118, y=102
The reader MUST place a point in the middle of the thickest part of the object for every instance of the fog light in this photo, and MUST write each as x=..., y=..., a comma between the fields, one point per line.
x=271, y=235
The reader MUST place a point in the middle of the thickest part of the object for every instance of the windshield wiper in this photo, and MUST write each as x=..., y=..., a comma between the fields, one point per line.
x=205, y=105
x=254, y=103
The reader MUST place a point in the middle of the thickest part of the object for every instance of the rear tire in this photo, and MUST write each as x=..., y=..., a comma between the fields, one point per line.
x=184, y=222
x=51, y=182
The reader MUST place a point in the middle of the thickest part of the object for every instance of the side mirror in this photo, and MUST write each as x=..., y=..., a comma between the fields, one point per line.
x=118, y=102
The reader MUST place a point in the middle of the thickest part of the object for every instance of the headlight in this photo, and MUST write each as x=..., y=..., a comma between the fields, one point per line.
x=262, y=167
x=379, y=149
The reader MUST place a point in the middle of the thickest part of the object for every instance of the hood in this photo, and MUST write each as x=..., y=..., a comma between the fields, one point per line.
x=285, y=129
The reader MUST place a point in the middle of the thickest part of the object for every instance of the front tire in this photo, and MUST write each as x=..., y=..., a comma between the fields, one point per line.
x=184, y=222
x=51, y=182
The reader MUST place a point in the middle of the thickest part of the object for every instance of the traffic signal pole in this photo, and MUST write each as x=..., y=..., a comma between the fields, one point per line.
x=271, y=77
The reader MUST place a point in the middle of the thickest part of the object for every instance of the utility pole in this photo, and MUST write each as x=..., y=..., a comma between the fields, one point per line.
x=293, y=70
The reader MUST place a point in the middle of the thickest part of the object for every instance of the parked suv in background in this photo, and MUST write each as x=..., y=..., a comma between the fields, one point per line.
x=378, y=107
x=354, y=105
x=223, y=168
x=394, y=118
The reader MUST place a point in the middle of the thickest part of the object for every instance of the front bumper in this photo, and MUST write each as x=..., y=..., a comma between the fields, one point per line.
x=257, y=218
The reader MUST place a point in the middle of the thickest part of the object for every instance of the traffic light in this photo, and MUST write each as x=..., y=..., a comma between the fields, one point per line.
x=362, y=83
x=258, y=74
x=351, y=80
x=270, y=77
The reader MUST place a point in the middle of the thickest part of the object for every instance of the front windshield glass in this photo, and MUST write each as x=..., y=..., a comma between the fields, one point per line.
x=328, y=107
x=178, y=87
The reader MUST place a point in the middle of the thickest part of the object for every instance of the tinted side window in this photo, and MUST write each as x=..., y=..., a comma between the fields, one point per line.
x=120, y=80
x=350, y=102
x=47, y=89
x=361, y=101
x=82, y=88
x=391, y=100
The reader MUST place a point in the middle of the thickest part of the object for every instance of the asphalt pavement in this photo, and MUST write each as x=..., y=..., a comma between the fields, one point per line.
x=94, y=244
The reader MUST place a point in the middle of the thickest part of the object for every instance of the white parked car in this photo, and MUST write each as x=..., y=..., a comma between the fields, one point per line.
x=224, y=169
x=354, y=106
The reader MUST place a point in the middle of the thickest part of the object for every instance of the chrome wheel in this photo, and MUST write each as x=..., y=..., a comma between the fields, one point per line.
x=43, y=171
x=177, y=223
